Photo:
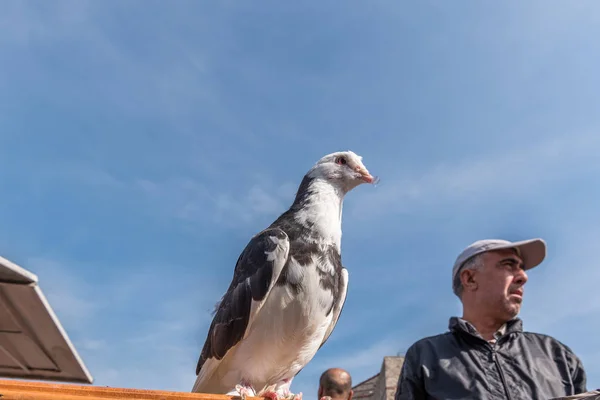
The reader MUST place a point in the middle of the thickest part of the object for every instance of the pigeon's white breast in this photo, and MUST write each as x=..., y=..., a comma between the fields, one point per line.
x=288, y=330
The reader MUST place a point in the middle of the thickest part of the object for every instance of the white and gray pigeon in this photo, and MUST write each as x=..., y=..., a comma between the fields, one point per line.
x=287, y=291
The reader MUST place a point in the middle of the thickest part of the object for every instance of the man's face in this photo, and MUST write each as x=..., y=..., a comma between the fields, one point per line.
x=500, y=283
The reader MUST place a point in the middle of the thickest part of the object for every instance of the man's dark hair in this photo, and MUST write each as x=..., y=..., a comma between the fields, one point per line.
x=336, y=382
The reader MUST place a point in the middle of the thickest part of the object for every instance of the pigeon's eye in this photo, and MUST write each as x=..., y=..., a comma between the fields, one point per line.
x=340, y=160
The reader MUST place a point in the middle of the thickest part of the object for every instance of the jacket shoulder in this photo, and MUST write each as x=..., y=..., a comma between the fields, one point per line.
x=545, y=339
x=429, y=342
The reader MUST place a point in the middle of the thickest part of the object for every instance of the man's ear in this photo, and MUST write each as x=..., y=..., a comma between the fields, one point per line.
x=468, y=279
x=320, y=393
x=351, y=394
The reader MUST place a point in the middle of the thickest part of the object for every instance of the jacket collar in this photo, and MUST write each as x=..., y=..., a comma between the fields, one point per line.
x=459, y=325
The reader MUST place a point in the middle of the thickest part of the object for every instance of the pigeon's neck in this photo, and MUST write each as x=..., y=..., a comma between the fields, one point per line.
x=318, y=207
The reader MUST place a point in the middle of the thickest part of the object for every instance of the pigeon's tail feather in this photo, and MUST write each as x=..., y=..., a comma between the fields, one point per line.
x=216, y=377
x=216, y=307
x=206, y=381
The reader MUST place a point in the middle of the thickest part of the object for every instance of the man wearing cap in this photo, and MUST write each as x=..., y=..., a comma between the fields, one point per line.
x=486, y=354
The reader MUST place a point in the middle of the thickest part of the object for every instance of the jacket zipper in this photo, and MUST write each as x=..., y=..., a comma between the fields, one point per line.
x=495, y=356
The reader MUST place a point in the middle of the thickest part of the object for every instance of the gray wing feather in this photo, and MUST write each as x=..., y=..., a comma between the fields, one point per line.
x=339, y=305
x=256, y=271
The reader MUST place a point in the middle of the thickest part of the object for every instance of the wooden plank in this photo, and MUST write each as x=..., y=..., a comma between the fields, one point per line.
x=25, y=390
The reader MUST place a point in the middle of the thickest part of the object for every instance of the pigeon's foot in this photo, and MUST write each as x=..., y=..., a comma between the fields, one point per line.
x=296, y=396
x=245, y=390
x=273, y=395
x=283, y=393
x=269, y=394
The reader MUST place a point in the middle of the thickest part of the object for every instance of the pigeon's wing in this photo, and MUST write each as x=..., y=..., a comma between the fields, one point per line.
x=256, y=271
x=339, y=304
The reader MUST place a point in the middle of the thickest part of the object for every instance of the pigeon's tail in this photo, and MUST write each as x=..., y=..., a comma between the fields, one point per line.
x=207, y=381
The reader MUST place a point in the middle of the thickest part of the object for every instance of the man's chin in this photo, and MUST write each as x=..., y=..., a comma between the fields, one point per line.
x=515, y=301
x=513, y=307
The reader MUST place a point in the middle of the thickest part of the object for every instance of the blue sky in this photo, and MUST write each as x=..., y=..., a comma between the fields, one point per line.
x=143, y=143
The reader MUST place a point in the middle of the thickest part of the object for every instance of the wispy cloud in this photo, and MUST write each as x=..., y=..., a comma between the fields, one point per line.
x=23, y=23
x=191, y=200
x=69, y=295
x=167, y=87
x=264, y=199
x=138, y=328
x=181, y=197
x=519, y=169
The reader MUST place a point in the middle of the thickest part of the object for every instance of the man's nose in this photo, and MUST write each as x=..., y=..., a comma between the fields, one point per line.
x=521, y=277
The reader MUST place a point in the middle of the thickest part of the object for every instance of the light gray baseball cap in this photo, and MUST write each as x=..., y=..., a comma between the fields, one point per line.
x=532, y=251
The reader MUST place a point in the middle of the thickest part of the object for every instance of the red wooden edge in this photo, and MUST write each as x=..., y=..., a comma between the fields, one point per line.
x=26, y=390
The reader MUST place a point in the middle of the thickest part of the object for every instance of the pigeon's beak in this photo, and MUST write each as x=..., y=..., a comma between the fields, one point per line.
x=365, y=175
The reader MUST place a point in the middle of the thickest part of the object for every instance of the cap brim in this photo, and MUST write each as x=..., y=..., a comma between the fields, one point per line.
x=532, y=251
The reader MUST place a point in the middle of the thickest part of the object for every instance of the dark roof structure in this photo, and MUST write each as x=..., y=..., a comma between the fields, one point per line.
x=365, y=389
x=33, y=343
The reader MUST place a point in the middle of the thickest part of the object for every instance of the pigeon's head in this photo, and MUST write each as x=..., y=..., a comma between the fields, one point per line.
x=343, y=169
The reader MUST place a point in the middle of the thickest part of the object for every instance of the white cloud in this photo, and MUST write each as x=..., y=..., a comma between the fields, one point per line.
x=23, y=24
x=180, y=197
x=67, y=292
x=134, y=82
x=264, y=199
x=92, y=344
x=191, y=200
x=520, y=168
x=183, y=197
x=140, y=328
